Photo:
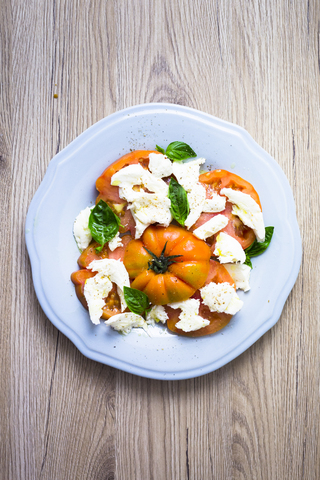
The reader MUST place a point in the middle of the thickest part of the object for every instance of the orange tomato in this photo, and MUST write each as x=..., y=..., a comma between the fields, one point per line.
x=168, y=264
x=217, y=274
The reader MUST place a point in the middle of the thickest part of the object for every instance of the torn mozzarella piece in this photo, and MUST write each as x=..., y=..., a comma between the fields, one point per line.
x=196, y=198
x=190, y=320
x=157, y=314
x=247, y=210
x=212, y=226
x=240, y=274
x=228, y=249
x=125, y=322
x=81, y=231
x=221, y=298
x=214, y=204
x=97, y=288
x=115, y=242
x=146, y=208
x=187, y=174
x=160, y=165
x=152, y=208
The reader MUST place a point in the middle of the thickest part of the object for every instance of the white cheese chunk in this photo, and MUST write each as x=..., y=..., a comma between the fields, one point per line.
x=187, y=174
x=160, y=165
x=212, y=226
x=228, y=249
x=115, y=242
x=234, y=306
x=97, y=288
x=146, y=208
x=214, y=204
x=125, y=322
x=81, y=230
x=247, y=210
x=196, y=199
x=221, y=297
x=157, y=314
x=190, y=320
x=152, y=208
x=240, y=274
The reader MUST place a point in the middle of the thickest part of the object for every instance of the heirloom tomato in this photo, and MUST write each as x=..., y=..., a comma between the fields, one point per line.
x=215, y=181
x=110, y=193
x=168, y=264
x=217, y=274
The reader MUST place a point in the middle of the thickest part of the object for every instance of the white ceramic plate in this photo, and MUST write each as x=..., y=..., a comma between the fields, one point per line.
x=69, y=186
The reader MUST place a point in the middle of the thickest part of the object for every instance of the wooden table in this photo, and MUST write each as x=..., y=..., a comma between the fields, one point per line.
x=254, y=63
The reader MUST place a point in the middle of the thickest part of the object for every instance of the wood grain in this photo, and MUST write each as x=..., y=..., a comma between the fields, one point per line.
x=253, y=63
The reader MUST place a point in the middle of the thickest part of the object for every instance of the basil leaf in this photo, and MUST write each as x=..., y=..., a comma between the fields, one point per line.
x=248, y=261
x=178, y=151
x=179, y=201
x=161, y=150
x=103, y=224
x=137, y=301
x=257, y=248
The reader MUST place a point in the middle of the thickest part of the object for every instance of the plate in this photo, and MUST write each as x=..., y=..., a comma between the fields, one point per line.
x=69, y=186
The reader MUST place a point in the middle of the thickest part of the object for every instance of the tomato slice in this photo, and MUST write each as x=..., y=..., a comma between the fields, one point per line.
x=110, y=193
x=219, y=179
x=217, y=274
x=235, y=228
x=112, y=302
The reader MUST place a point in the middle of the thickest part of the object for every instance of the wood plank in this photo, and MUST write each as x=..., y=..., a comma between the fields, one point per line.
x=253, y=63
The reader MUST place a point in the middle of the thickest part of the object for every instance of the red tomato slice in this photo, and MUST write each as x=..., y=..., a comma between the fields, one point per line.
x=235, y=228
x=219, y=179
x=112, y=302
x=109, y=193
x=217, y=274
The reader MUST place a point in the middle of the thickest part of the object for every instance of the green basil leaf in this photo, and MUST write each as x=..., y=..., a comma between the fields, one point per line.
x=103, y=224
x=161, y=150
x=179, y=201
x=248, y=261
x=178, y=151
x=257, y=248
x=137, y=301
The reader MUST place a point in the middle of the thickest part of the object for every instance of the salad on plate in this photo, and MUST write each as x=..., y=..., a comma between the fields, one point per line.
x=168, y=243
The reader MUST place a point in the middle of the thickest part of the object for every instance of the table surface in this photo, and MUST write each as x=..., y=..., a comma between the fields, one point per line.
x=253, y=63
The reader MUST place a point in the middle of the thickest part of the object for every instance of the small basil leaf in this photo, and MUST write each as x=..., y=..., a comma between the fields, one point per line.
x=179, y=201
x=161, y=150
x=248, y=261
x=103, y=224
x=178, y=151
x=136, y=300
x=257, y=248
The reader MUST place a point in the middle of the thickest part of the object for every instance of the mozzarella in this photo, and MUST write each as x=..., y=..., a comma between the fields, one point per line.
x=146, y=208
x=190, y=320
x=152, y=208
x=81, y=229
x=115, y=242
x=187, y=173
x=157, y=314
x=240, y=274
x=211, y=227
x=228, y=249
x=160, y=165
x=125, y=322
x=196, y=198
x=214, y=204
x=247, y=210
x=221, y=297
x=97, y=288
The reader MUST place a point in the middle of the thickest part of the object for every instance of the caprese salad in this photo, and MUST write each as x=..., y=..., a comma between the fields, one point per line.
x=167, y=242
